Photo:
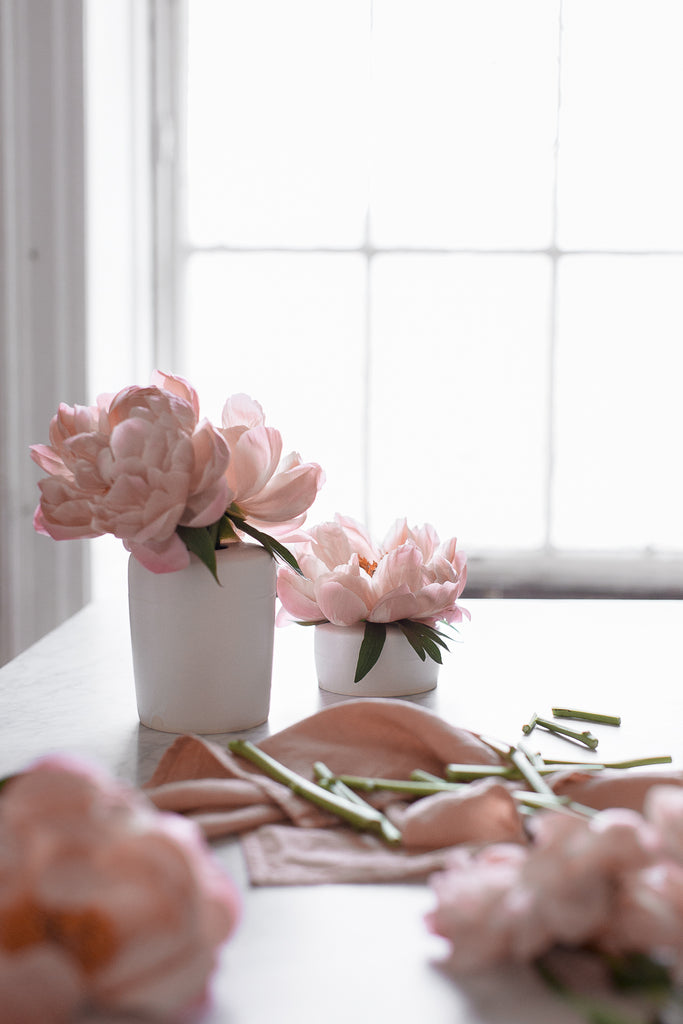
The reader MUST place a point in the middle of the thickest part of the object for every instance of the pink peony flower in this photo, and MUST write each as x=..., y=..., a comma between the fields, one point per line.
x=105, y=903
x=271, y=492
x=664, y=808
x=648, y=914
x=474, y=907
x=348, y=579
x=137, y=465
x=593, y=882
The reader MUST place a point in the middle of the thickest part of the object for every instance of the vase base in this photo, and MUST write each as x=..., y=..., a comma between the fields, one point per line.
x=373, y=690
x=399, y=672
x=198, y=727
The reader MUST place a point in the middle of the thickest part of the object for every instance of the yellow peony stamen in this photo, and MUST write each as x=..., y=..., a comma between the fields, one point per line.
x=369, y=567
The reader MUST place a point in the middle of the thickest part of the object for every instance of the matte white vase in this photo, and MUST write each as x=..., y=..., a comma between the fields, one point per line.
x=398, y=672
x=203, y=653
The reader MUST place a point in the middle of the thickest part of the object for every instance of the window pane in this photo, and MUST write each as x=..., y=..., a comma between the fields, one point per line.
x=288, y=330
x=464, y=121
x=459, y=374
x=277, y=99
x=619, y=421
x=621, y=135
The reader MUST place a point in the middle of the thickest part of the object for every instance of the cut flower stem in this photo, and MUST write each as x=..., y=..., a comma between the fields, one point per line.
x=585, y=738
x=586, y=716
x=328, y=780
x=636, y=762
x=360, y=817
x=407, y=787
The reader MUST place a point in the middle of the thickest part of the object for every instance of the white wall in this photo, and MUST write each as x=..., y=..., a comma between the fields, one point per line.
x=42, y=298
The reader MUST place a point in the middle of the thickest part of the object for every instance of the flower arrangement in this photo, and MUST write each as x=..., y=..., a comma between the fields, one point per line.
x=611, y=883
x=106, y=904
x=142, y=466
x=411, y=581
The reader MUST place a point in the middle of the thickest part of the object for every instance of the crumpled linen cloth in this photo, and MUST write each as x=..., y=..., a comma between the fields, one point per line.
x=288, y=841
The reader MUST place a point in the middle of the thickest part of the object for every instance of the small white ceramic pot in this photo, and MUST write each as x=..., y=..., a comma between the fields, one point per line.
x=398, y=671
x=203, y=653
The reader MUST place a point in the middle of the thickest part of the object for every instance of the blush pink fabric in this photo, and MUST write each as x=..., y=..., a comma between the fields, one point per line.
x=288, y=841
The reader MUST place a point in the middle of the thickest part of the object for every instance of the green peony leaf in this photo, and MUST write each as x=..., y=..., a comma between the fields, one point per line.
x=274, y=548
x=425, y=640
x=410, y=633
x=201, y=541
x=370, y=649
x=225, y=532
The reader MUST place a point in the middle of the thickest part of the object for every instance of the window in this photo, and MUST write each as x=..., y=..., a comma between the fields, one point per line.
x=442, y=243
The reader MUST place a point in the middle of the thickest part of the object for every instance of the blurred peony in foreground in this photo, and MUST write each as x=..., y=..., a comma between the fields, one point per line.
x=106, y=904
x=612, y=883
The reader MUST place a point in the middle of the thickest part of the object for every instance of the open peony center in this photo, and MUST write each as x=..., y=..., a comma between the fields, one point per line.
x=86, y=932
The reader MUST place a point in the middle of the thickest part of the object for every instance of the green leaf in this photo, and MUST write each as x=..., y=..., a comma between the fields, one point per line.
x=431, y=648
x=424, y=639
x=226, y=531
x=407, y=628
x=637, y=971
x=370, y=649
x=200, y=540
x=274, y=548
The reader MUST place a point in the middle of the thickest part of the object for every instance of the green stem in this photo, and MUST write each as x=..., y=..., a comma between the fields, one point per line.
x=540, y=801
x=530, y=772
x=467, y=772
x=636, y=762
x=586, y=716
x=419, y=775
x=329, y=781
x=425, y=784
x=362, y=818
x=585, y=738
x=405, y=787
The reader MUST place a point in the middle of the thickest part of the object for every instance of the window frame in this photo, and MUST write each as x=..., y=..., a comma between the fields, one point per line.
x=545, y=572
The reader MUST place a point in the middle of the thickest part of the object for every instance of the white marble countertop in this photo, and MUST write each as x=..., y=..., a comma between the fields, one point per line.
x=333, y=953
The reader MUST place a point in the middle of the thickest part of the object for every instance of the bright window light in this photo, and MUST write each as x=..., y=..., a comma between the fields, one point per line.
x=442, y=243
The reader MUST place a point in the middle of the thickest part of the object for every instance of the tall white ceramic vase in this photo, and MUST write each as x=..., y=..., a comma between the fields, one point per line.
x=397, y=673
x=203, y=653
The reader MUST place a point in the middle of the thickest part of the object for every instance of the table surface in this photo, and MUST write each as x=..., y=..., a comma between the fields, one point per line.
x=312, y=954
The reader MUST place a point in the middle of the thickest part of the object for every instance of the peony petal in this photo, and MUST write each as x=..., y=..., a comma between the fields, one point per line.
x=400, y=603
x=358, y=537
x=41, y=984
x=287, y=495
x=396, y=535
x=242, y=411
x=338, y=603
x=297, y=597
x=177, y=386
x=253, y=460
x=160, y=556
x=48, y=459
x=400, y=566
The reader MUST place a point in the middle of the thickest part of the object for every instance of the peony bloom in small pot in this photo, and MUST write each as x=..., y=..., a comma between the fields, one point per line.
x=142, y=466
x=106, y=904
x=411, y=581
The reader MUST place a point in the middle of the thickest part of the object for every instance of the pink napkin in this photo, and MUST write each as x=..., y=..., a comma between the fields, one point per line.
x=286, y=840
